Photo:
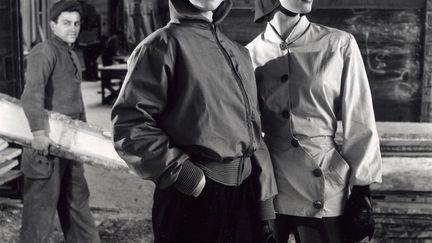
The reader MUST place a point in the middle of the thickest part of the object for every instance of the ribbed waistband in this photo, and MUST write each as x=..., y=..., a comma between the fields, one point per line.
x=231, y=173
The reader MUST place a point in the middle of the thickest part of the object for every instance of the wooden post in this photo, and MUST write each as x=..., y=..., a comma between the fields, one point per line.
x=426, y=107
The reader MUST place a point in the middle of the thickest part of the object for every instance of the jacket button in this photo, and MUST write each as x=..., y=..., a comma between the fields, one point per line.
x=283, y=46
x=318, y=204
x=285, y=114
x=295, y=143
x=284, y=78
x=317, y=172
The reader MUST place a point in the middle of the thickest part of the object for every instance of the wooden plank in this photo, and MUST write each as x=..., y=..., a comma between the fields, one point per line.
x=7, y=166
x=403, y=226
x=405, y=174
x=9, y=176
x=402, y=215
x=3, y=144
x=8, y=154
x=426, y=105
x=402, y=207
x=77, y=140
x=402, y=139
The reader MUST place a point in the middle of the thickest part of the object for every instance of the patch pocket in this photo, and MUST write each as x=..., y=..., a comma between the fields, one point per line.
x=36, y=166
x=337, y=169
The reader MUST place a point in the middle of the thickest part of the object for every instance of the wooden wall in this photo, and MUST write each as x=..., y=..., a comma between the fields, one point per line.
x=102, y=8
x=390, y=35
x=390, y=44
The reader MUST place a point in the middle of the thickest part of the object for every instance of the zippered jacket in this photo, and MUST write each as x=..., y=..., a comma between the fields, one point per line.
x=188, y=107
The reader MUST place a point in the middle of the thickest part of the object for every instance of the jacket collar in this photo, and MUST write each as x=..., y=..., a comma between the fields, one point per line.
x=181, y=10
x=60, y=43
x=298, y=30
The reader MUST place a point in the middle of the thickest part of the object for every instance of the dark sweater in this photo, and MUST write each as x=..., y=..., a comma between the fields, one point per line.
x=53, y=82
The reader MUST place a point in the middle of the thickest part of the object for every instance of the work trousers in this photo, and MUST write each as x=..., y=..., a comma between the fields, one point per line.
x=50, y=186
x=221, y=214
x=310, y=230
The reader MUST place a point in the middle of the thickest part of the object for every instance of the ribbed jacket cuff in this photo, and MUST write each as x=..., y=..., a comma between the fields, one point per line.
x=189, y=178
x=267, y=209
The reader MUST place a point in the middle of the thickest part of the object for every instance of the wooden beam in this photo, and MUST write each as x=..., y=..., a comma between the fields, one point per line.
x=77, y=140
x=426, y=105
x=8, y=154
x=405, y=174
x=9, y=176
x=8, y=166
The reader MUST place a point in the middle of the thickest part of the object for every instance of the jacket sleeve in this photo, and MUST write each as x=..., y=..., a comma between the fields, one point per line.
x=40, y=64
x=264, y=176
x=138, y=138
x=360, y=146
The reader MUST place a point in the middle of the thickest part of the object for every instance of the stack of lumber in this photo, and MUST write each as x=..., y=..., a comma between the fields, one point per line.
x=403, y=201
x=8, y=162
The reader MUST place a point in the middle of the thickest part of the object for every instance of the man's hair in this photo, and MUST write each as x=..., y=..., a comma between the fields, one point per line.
x=64, y=6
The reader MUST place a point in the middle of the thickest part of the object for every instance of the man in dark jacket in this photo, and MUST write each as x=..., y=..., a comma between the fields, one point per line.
x=53, y=80
x=187, y=118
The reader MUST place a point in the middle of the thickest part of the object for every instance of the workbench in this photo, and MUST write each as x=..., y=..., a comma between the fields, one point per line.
x=108, y=74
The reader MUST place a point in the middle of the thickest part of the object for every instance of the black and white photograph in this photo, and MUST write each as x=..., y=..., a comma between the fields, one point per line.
x=216, y=121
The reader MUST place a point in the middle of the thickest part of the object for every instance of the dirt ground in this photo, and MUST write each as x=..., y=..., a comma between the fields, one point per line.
x=120, y=203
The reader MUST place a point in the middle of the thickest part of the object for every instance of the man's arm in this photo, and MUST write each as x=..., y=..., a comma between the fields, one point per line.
x=40, y=64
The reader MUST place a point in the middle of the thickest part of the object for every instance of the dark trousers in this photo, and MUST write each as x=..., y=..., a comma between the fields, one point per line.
x=310, y=230
x=221, y=214
x=56, y=185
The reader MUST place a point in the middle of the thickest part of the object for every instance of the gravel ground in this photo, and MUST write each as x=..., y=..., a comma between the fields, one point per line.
x=113, y=227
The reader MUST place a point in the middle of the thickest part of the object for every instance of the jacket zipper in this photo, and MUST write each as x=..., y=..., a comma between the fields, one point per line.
x=245, y=99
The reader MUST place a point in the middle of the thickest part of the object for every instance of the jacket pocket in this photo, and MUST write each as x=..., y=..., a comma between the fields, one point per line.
x=338, y=170
x=35, y=166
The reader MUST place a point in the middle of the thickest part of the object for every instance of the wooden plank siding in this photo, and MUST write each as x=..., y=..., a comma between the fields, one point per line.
x=426, y=107
x=390, y=41
x=102, y=8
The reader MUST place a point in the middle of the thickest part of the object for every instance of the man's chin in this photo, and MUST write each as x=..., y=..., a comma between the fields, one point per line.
x=71, y=40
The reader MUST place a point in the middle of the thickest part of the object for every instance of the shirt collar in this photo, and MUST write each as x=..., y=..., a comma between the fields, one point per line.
x=298, y=30
x=59, y=42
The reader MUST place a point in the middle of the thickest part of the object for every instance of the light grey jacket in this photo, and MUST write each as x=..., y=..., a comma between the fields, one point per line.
x=302, y=90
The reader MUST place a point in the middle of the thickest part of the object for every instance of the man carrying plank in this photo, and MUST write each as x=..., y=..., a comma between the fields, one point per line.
x=53, y=82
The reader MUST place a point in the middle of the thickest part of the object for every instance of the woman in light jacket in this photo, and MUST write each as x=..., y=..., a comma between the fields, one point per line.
x=308, y=75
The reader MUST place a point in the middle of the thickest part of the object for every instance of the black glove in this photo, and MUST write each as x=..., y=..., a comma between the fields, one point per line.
x=268, y=231
x=358, y=218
